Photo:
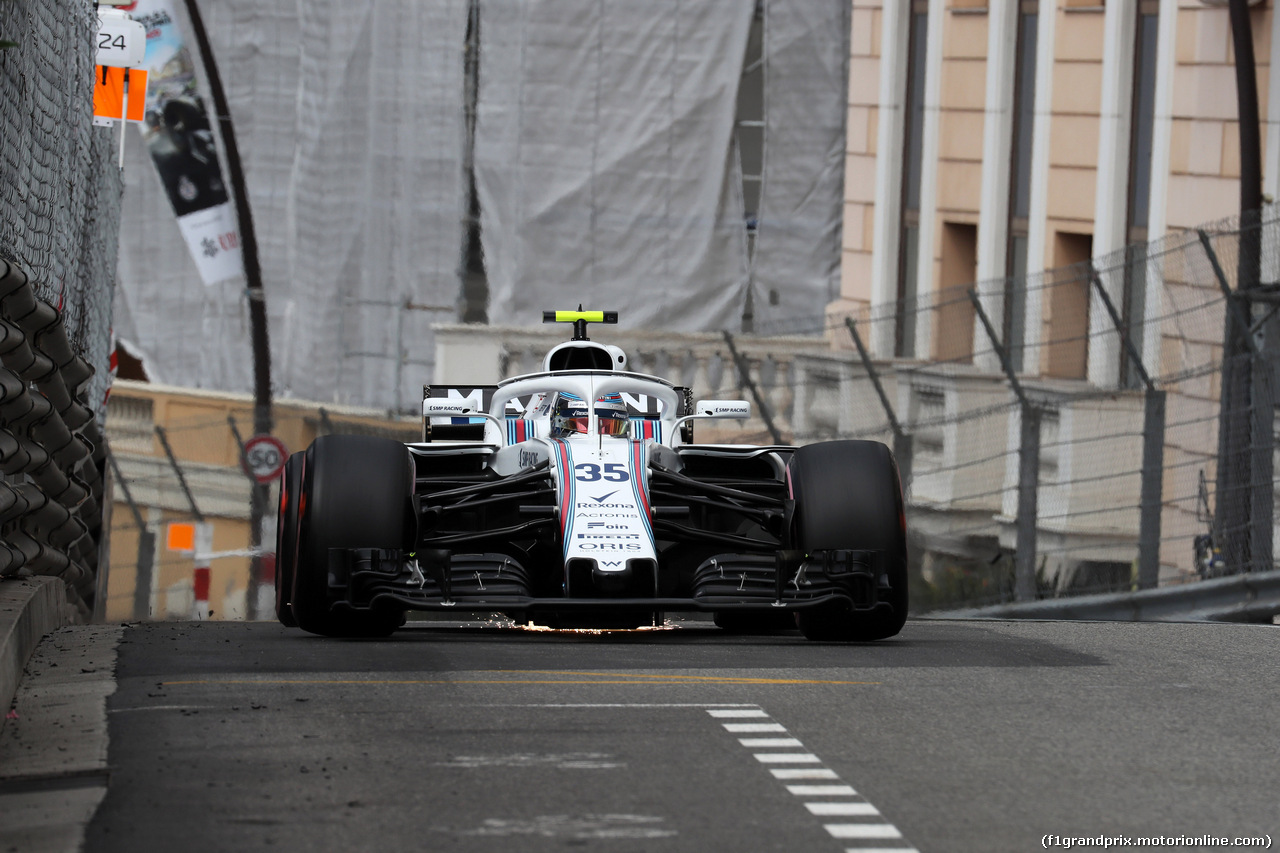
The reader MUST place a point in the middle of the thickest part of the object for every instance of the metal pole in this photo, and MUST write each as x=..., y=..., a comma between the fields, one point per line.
x=262, y=417
x=1152, y=499
x=1028, y=469
x=177, y=469
x=1232, y=510
x=146, y=546
x=258, y=498
x=744, y=372
x=902, y=442
x=1024, y=587
x=1153, y=424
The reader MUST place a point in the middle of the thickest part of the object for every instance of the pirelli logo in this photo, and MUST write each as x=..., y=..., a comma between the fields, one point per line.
x=608, y=535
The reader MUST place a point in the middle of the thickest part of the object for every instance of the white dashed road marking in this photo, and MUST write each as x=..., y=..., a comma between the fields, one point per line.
x=866, y=826
x=758, y=742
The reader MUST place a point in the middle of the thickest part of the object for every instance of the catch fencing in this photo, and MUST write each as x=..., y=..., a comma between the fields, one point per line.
x=1084, y=448
x=60, y=193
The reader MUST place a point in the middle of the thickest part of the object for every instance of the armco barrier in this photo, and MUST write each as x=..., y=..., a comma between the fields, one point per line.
x=51, y=447
x=1252, y=597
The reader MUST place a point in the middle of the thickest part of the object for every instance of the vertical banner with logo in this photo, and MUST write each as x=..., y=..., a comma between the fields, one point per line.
x=177, y=131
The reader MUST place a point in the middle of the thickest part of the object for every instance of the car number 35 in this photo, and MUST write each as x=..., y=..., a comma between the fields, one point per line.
x=590, y=472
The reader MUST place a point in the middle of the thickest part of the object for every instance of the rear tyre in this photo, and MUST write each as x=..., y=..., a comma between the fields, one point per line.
x=848, y=497
x=287, y=537
x=355, y=494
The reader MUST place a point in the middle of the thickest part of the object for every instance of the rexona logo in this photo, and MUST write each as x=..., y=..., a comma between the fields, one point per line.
x=605, y=506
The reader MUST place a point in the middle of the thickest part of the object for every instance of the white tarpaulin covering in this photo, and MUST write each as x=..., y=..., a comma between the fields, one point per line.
x=604, y=159
x=796, y=269
x=349, y=115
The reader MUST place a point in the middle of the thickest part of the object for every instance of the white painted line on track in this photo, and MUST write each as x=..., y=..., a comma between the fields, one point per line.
x=620, y=705
x=816, y=773
x=842, y=809
x=757, y=742
x=750, y=728
x=822, y=790
x=787, y=758
x=862, y=830
x=876, y=830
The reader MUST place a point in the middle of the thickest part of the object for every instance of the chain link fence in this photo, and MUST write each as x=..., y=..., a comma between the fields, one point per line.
x=60, y=192
x=1101, y=427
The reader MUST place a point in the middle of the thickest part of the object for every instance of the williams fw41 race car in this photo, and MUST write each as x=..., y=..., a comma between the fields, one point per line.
x=576, y=498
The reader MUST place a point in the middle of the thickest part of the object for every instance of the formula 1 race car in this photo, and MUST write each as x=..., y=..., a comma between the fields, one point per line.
x=575, y=498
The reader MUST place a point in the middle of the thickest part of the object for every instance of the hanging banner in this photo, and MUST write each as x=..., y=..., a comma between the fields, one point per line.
x=179, y=136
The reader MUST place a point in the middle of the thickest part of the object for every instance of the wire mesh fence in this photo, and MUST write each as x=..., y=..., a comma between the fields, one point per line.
x=60, y=193
x=1151, y=373
x=60, y=188
x=1065, y=435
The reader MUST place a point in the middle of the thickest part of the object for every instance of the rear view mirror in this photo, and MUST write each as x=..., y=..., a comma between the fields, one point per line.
x=737, y=409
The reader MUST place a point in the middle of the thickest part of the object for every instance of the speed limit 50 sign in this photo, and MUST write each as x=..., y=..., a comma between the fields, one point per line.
x=264, y=457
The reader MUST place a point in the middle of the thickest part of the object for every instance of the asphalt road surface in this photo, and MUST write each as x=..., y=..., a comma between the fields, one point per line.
x=956, y=736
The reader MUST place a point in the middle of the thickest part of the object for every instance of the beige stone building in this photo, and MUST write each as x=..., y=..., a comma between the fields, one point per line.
x=994, y=139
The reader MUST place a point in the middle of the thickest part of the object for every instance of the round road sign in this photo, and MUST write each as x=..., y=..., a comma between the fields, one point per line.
x=264, y=457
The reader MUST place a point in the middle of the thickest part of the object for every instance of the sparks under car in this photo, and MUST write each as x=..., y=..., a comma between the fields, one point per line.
x=576, y=497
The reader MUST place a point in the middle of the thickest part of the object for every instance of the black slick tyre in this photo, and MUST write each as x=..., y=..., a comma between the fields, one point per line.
x=287, y=537
x=848, y=497
x=355, y=494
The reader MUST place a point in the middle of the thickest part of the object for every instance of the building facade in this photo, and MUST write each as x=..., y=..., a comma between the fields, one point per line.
x=991, y=140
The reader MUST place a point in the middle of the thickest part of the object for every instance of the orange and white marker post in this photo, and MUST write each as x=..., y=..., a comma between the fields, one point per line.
x=203, y=571
x=196, y=539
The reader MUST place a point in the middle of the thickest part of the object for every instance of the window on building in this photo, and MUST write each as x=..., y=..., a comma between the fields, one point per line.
x=1139, y=201
x=953, y=336
x=1066, y=352
x=1024, y=110
x=912, y=166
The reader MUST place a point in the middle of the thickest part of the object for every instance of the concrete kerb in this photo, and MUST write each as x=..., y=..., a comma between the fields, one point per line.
x=29, y=609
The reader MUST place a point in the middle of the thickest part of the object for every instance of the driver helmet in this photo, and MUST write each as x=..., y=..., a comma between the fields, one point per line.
x=570, y=416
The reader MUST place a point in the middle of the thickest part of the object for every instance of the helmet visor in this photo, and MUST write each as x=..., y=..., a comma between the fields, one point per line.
x=577, y=424
x=610, y=425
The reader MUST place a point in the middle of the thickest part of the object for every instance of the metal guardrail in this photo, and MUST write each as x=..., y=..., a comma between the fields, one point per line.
x=1252, y=597
x=51, y=447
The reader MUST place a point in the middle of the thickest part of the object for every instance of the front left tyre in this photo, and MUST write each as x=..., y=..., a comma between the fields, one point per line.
x=354, y=493
x=848, y=496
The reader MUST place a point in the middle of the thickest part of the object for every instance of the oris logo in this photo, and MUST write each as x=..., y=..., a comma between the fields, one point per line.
x=609, y=546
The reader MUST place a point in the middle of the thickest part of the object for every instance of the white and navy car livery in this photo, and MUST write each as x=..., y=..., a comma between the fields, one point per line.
x=609, y=518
